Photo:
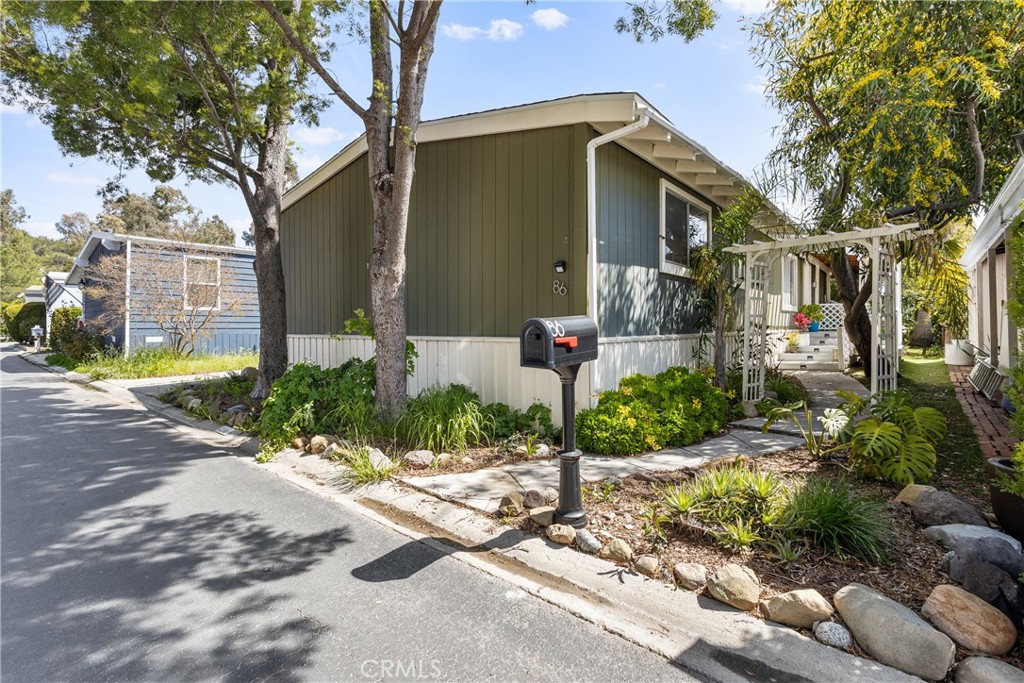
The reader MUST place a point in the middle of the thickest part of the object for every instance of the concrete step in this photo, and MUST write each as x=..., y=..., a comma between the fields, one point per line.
x=831, y=366
x=827, y=356
x=820, y=348
x=824, y=337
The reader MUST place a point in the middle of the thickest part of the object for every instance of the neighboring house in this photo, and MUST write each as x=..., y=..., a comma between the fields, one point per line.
x=990, y=330
x=59, y=294
x=34, y=294
x=588, y=205
x=213, y=287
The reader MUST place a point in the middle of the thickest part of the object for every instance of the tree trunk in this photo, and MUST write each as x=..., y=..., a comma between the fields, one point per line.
x=854, y=299
x=266, y=218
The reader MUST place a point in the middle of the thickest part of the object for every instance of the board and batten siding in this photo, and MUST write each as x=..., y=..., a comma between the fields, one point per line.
x=488, y=218
x=234, y=330
x=636, y=299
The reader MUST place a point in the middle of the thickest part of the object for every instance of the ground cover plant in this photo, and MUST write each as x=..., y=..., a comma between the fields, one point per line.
x=647, y=413
x=161, y=362
x=220, y=399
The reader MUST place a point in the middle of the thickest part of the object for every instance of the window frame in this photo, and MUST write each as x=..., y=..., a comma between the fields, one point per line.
x=185, y=282
x=667, y=266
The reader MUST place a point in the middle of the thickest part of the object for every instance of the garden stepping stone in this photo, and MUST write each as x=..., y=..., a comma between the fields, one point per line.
x=421, y=459
x=561, y=533
x=690, y=575
x=997, y=588
x=949, y=534
x=971, y=622
x=647, y=565
x=799, y=608
x=617, y=550
x=543, y=516
x=911, y=492
x=984, y=549
x=735, y=585
x=587, y=542
x=534, y=499
x=933, y=508
x=987, y=670
x=893, y=634
x=511, y=504
x=834, y=635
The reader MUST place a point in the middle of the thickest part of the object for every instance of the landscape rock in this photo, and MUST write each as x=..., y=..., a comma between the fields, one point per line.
x=249, y=373
x=542, y=450
x=911, y=492
x=893, y=634
x=945, y=560
x=444, y=459
x=194, y=404
x=984, y=549
x=319, y=443
x=950, y=534
x=834, y=635
x=239, y=418
x=800, y=608
x=971, y=622
x=561, y=533
x=647, y=564
x=933, y=508
x=587, y=542
x=987, y=670
x=420, y=459
x=511, y=504
x=543, y=515
x=300, y=443
x=612, y=480
x=997, y=588
x=534, y=499
x=735, y=585
x=235, y=408
x=617, y=550
x=690, y=575
x=379, y=460
x=550, y=494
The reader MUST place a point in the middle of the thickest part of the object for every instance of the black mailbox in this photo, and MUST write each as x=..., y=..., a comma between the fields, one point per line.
x=551, y=343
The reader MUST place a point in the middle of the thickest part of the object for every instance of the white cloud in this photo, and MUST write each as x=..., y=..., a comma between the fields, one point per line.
x=549, y=19
x=308, y=164
x=755, y=87
x=722, y=46
x=659, y=85
x=500, y=29
x=317, y=136
x=65, y=178
x=748, y=7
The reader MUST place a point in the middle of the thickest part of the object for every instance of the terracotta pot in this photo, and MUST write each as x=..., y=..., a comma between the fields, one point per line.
x=1008, y=508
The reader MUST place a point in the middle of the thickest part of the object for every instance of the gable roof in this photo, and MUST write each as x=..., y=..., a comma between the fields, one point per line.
x=113, y=241
x=1006, y=207
x=660, y=143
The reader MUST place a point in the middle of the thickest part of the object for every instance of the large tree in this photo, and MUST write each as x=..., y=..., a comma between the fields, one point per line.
x=206, y=90
x=893, y=111
x=19, y=265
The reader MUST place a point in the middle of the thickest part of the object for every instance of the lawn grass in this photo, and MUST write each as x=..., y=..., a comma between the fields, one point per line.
x=961, y=466
x=61, y=360
x=163, y=363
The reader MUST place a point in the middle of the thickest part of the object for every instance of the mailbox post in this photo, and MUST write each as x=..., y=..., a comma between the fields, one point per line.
x=563, y=345
x=37, y=334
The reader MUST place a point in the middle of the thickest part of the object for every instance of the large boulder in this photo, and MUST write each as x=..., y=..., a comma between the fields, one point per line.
x=800, y=608
x=950, y=534
x=933, y=508
x=893, y=634
x=735, y=585
x=984, y=549
x=911, y=492
x=987, y=670
x=971, y=622
x=997, y=588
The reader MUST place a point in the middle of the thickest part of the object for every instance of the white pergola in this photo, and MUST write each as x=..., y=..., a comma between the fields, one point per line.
x=877, y=252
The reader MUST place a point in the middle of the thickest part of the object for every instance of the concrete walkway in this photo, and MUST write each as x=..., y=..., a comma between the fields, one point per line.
x=822, y=388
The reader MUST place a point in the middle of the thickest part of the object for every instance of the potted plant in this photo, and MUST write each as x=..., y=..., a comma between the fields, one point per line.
x=792, y=341
x=1006, y=488
x=813, y=313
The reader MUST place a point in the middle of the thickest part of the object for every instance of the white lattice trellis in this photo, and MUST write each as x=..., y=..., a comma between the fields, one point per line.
x=834, y=315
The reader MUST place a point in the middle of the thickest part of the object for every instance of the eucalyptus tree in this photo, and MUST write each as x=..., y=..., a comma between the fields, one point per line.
x=892, y=111
x=205, y=90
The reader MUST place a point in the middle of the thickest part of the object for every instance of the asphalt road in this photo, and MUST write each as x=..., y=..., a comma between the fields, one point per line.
x=131, y=552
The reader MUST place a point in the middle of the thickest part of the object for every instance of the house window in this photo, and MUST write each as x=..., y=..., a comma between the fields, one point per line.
x=790, y=282
x=685, y=226
x=202, y=283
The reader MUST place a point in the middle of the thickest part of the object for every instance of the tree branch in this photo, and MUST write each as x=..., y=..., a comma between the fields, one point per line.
x=309, y=58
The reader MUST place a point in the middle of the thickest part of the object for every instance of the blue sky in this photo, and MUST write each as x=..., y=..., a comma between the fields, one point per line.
x=487, y=55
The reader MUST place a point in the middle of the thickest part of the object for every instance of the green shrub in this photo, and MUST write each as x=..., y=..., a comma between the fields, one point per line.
x=66, y=337
x=838, y=520
x=20, y=318
x=674, y=408
x=308, y=399
x=788, y=388
x=61, y=360
x=444, y=419
x=1013, y=485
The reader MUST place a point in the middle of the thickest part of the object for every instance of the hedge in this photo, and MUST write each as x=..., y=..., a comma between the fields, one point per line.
x=20, y=318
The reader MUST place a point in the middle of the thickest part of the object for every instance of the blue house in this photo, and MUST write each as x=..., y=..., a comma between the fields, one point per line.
x=142, y=292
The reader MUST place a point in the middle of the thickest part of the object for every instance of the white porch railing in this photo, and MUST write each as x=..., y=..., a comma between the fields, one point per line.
x=834, y=316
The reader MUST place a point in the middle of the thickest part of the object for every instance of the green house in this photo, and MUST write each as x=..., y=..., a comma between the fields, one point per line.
x=587, y=205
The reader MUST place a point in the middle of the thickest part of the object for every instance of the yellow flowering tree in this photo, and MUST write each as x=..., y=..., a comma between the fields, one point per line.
x=893, y=111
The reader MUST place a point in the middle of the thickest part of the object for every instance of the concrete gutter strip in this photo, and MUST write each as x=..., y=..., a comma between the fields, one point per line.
x=700, y=635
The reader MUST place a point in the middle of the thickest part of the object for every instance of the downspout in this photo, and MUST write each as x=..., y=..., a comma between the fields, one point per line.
x=592, y=270
x=127, y=295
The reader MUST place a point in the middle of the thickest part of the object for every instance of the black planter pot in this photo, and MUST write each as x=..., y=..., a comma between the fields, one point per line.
x=1008, y=508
